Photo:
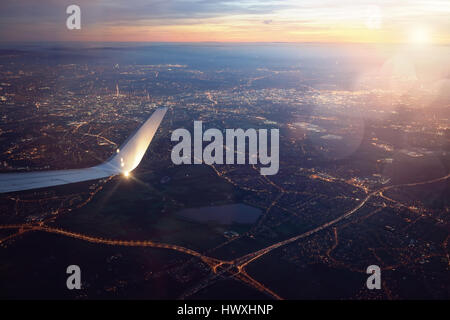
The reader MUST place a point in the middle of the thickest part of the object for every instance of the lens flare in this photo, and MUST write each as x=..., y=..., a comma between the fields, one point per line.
x=420, y=36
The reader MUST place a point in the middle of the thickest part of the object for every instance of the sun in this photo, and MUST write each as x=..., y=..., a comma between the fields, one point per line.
x=126, y=174
x=420, y=36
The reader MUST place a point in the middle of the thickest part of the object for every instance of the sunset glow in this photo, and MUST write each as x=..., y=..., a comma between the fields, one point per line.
x=420, y=36
x=230, y=21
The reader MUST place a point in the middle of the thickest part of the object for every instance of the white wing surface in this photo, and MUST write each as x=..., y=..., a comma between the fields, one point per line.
x=124, y=161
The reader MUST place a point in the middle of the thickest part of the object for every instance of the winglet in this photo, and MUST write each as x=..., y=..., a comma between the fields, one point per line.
x=126, y=159
x=130, y=154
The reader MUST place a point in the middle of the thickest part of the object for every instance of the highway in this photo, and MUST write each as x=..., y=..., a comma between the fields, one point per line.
x=235, y=268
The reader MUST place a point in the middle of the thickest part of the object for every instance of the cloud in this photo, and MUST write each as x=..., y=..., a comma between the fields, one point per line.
x=22, y=19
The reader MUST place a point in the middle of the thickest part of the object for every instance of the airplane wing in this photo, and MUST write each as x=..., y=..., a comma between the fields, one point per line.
x=127, y=158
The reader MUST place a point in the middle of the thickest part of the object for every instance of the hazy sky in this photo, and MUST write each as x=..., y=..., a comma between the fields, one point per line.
x=419, y=21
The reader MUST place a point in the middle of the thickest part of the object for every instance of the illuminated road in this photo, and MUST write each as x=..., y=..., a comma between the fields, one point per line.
x=220, y=268
x=130, y=243
x=244, y=260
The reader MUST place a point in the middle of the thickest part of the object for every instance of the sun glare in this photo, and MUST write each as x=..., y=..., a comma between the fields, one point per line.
x=420, y=36
x=126, y=174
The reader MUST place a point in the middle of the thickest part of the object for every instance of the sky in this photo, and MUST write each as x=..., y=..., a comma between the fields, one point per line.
x=341, y=21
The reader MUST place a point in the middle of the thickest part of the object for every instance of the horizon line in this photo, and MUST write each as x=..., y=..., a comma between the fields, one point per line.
x=229, y=42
